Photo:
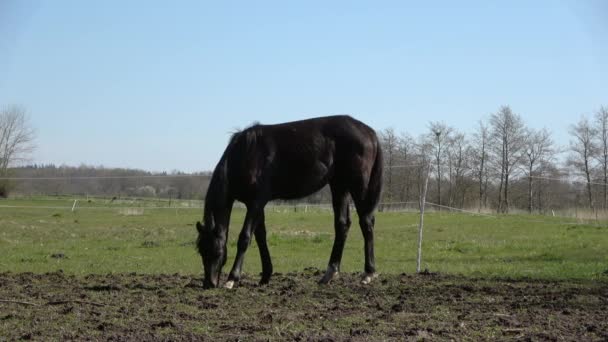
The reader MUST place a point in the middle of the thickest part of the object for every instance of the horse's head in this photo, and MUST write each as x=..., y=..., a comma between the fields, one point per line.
x=211, y=244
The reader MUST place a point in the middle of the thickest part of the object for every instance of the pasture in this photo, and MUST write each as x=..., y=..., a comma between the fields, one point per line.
x=110, y=272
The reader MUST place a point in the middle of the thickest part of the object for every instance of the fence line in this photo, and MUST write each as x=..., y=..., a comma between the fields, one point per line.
x=388, y=206
x=325, y=206
x=99, y=198
x=87, y=208
x=101, y=177
x=385, y=206
x=462, y=210
x=571, y=181
x=566, y=180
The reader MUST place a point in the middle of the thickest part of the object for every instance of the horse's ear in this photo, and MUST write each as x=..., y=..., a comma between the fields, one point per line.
x=200, y=227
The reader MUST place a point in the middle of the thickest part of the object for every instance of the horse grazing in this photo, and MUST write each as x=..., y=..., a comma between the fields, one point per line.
x=288, y=161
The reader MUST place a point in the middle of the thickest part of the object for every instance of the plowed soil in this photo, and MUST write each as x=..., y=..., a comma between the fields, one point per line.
x=56, y=306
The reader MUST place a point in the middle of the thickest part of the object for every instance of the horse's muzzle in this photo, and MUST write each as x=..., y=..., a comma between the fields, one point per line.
x=212, y=281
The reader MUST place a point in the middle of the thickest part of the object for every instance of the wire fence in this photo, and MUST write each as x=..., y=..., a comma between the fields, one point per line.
x=135, y=206
x=190, y=206
x=84, y=201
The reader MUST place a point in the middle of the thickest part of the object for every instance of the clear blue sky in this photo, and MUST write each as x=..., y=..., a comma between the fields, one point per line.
x=160, y=85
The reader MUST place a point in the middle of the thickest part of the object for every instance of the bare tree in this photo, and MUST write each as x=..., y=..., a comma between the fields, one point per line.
x=406, y=148
x=509, y=141
x=583, y=150
x=539, y=148
x=16, y=141
x=439, y=135
x=424, y=156
x=601, y=121
x=549, y=191
x=481, y=139
x=456, y=151
x=389, y=146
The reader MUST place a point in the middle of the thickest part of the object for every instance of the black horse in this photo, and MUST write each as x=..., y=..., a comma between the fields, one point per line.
x=289, y=161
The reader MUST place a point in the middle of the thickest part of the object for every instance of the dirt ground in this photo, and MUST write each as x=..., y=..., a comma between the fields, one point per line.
x=55, y=306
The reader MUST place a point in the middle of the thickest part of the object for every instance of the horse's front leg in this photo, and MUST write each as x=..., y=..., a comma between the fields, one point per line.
x=260, y=239
x=251, y=220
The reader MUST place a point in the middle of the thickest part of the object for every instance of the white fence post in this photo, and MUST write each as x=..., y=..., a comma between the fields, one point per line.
x=421, y=224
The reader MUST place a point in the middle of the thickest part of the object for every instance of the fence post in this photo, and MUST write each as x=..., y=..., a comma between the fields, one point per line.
x=421, y=224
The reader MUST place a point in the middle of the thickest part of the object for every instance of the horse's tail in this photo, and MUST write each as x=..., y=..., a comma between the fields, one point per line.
x=374, y=187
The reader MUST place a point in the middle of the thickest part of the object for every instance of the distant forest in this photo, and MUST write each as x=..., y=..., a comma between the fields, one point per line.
x=52, y=180
x=107, y=182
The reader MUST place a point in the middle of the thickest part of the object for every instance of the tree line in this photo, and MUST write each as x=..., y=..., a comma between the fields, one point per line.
x=87, y=180
x=500, y=165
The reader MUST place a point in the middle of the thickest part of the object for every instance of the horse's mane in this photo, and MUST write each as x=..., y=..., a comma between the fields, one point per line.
x=250, y=134
x=218, y=183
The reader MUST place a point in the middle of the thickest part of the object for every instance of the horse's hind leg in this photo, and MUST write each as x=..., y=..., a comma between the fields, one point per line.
x=367, y=221
x=341, y=226
x=260, y=238
x=365, y=209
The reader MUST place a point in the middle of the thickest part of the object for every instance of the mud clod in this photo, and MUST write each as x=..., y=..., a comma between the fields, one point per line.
x=163, y=324
x=109, y=287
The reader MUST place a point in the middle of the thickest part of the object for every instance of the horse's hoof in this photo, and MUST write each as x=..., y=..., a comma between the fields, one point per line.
x=368, y=277
x=328, y=277
x=229, y=284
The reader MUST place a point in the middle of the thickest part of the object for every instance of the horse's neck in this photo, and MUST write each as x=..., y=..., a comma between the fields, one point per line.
x=218, y=202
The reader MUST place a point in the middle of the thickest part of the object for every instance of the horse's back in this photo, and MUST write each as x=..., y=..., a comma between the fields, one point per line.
x=329, y=140
x=296, y=159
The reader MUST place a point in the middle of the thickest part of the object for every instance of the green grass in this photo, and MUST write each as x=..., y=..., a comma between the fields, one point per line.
x=103, y=240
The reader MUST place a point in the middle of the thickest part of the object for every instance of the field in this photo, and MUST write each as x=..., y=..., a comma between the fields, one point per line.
x=108, y=272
